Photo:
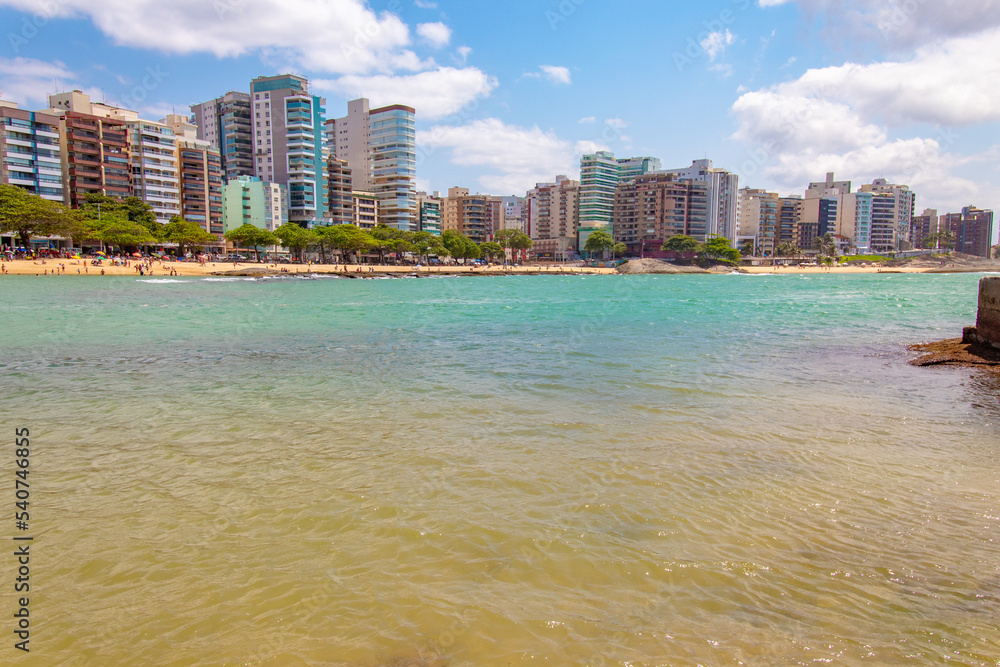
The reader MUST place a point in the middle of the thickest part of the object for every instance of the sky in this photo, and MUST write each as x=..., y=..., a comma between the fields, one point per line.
x=510, y=94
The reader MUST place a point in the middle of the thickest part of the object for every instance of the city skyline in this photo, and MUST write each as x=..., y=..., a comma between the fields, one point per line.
x=779, y=92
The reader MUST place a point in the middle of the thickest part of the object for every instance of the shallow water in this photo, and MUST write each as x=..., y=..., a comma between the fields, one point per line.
x=553, y=470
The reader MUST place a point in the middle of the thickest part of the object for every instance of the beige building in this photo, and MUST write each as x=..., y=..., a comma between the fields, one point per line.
x=554, y=219
x=654, y=207
x=365, y=209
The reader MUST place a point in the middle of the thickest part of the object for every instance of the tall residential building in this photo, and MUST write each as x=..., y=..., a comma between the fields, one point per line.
x=339, y=188
x=430, y=212
x=94, y=150
x=600, y=174
x=468, y=214
x=973, y=230
x=892, y=215
x=598, y=180
x=30, y=154
x=379, y=146
x=289, y=146
x=248, y=200
x=153, y=157
x=633, y=167
x=789, y=220
x=200, y=175
x=553, y=219
x=226, y=123
x=515, y=210
x=923, y=226
x=856, y=220
x=722, y=190
x=365, y=205
x=449, y=208
x=652, y=208
x=759, y=220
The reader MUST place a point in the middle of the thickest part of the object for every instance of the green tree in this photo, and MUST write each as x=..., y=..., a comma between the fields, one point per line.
x=28, y=215
x=460, y=246
x=681, y=243
x=748, y=248
x=116, y=230
x=425, y=244
x=514, y=240
x=599, y=241
x=296, y=238
x=492, y=250
x=250, y=236
x=619, y=250
x=186, y=233
x=826, y=245
x=718, y=248
x=786, y=249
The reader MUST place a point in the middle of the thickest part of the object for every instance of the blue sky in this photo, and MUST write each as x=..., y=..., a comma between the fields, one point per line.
x=509, y=94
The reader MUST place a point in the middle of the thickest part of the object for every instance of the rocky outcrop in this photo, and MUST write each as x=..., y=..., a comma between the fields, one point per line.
x=657, y=266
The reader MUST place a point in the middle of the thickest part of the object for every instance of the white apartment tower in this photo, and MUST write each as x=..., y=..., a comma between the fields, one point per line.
x=379, y=146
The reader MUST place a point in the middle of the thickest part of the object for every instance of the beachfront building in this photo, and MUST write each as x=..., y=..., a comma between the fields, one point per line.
x=30, y=152
x=598, y=180
x=365, y=209
x=153, y=158
x=249, y=200
x=225, y=122
x=339, y=189
x=199, y=173
x=600, y=174
x=467, y=214
x=379, y=146
x=553, y=219
x=722, y=192
x=758, y=220
x=893, y=208
x=430, y=212
x=94, y=150
x=972, y=229
x=652, y=208
x=288, y=144
x=515, y=211
x=924, y=225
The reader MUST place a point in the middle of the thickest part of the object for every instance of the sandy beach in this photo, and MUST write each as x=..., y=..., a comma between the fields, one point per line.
x=192, y=269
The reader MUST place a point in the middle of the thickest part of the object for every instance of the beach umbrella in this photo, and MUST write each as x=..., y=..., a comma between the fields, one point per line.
x=100, y=253
x=137, y=254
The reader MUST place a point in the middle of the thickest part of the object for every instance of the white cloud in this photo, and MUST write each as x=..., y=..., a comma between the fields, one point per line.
x=715, y=43
x=725, y=70
x=436, y=34
x=423, y=4
x=942, y=83
x=29, y=82
x=588, y=119
x=434, y=94
x=339, y=36
x=854, y=119
x=554, y=73
x=898, y=24
x=463, y=53
x=517, y=157
x=617, y=123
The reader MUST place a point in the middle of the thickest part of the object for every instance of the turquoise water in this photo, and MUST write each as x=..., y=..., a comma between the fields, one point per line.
x=601, y=470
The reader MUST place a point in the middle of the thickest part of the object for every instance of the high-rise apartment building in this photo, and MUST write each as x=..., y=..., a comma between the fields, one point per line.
x=468, y=214
x=226, y=123
x=892, y=215
x=379, y=146
x=554, y=218
x=759, y=220
x=652, y=208
x=199, y=167
x=94, y=150
x=153, y=157
x=339, y=187
x=30, y=153
x=722, y=190
x=515, y=211
x=924, y=225
x=248, y=200
x=289, y=146
x=972, y=229
x=430, y=212
x=365, y=205
x=600, y=174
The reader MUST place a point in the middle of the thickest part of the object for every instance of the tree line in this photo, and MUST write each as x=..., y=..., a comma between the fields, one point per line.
x=129, y=223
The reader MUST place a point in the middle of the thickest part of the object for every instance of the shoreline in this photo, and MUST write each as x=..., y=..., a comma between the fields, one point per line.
x=27, y=267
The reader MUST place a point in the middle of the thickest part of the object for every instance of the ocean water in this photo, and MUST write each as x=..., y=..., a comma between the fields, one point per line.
x=599, y=470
